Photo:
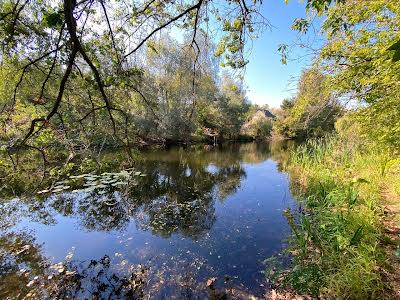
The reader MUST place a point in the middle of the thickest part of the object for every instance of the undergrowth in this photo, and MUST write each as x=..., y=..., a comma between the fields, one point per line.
x=337, y=236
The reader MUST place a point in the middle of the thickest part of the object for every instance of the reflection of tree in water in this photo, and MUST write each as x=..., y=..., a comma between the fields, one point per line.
x=95, y=212
x=98, y=279
x=281, y=151
x=177, y=194
x=229, y=179
x=26, y=273
x=18, y=252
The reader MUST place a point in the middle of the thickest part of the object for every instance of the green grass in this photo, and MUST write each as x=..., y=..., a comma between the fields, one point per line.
x=337, y=237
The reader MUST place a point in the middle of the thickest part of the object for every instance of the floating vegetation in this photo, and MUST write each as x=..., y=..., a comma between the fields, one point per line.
x=165, y=233
x=87, y=183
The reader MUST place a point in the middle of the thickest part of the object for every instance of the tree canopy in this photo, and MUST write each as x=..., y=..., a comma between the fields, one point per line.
x=91, y=50
x=358, y=64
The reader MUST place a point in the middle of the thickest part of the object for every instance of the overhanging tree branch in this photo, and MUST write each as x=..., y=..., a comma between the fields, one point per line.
x=57, y=103
x=172, y=20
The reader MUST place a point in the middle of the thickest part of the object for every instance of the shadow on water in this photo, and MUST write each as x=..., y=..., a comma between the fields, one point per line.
x=194, y=215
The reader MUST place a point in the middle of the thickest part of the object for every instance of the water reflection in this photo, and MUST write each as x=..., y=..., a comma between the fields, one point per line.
x=192, y=200
x=18, y=252
x=27, y=274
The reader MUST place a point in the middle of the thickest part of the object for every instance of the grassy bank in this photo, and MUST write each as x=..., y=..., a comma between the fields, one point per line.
x=341, y=245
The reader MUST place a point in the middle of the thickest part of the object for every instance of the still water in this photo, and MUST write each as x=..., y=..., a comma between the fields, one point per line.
x=196, y=216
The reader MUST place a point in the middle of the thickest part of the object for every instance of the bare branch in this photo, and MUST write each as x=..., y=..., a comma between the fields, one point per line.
x=145, y=7
x=24, y=70
x=53, y=64
x=58, y=100
x=184, y=13
x=14, y=23
x=110, y=29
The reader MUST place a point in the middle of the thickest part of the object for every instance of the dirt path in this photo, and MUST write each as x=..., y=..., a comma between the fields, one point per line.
x=391, y=244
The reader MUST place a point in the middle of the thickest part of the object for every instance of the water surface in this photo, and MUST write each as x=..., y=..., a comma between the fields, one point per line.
x=199, y=213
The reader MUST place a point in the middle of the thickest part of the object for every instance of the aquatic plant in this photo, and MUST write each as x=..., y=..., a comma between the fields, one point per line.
x=87, y=183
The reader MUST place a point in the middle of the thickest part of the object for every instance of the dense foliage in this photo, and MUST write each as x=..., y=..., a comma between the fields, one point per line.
x=90, y=71
x=356, y=68
x=345, y=244
x=312, y=112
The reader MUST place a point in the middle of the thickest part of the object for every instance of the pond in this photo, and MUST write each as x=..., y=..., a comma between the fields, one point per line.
x=196, y=223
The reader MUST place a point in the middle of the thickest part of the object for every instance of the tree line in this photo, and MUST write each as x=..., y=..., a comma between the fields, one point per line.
x=82, y=71
x=353, y=84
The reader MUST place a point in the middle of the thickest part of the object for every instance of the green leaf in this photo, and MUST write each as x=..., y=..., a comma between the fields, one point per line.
x=396, y=56
x=395, y=46
x=357, y=236
x=53, y=19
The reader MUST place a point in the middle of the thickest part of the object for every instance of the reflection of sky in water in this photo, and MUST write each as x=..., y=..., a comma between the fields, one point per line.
x=240, y=225
x=212, y=169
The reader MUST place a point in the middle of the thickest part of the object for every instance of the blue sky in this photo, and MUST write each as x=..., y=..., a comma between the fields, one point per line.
x=266, y=78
